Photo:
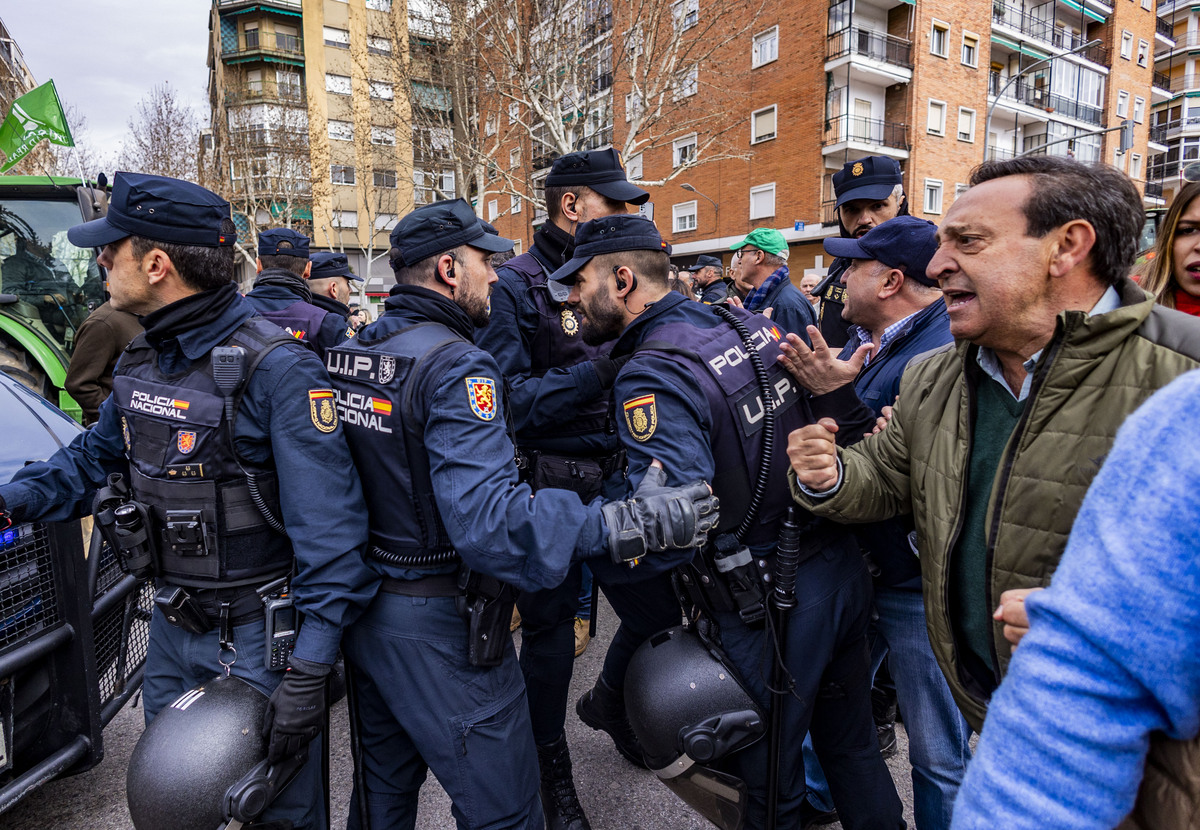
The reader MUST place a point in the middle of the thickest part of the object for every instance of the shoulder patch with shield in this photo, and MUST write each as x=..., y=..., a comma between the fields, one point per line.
x=321, y=408
x=482, y=394
x=641, y=417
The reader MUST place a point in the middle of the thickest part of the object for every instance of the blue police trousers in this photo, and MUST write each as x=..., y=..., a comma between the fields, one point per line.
x=420, y=706
x=177, y=661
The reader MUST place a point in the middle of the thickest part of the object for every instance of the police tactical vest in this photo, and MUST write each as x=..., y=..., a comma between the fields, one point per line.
x=301, y=320
x=376, y=382
x=208, y=530
x=557, y=343
x=718, y=360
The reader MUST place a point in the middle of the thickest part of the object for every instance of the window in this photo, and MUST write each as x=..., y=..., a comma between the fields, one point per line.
x=381, y=90
x=633, y=167
x=288, y=84
x=337, y=38
x=633, y=105
x=1135, y=166
x=1143, y=52
x=341, y=130
x=683, y=217
x=762, y=125
x=493, y=209
x=936, y=124
x=762, y=201
x=1122, y=104
x=491, y=125
x=385, y=136
x=384, y=178
x=514, y=157
x=514, y=112
x=287, y=38
x=1139, y=109
x=1148, y=5
x=379, y=45
x=966, y=124
x=380, y=5
x=766, y=47
x=960, y=189
x=254, y=81
x=385, y=221
x=970, y=49
x=933, y=195
x=345, y=218
x=337, y=84
x=514, y=204
x=1127, y=44
x=683, y=150
x=939, y=39
x=686, y=13
x=446, y=183
x=341, y=173
x=687, y=82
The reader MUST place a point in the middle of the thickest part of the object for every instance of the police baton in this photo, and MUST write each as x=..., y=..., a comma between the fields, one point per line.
x=782, y=600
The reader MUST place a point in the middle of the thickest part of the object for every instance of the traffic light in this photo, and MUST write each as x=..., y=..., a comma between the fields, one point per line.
x=1126, y=135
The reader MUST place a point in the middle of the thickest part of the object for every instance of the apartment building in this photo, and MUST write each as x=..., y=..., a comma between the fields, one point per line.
x=1175, y=116
x=934, y=86
x=312, y=122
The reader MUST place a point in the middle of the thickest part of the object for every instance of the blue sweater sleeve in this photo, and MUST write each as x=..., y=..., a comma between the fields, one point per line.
x=1113, y=651
x=535, y=402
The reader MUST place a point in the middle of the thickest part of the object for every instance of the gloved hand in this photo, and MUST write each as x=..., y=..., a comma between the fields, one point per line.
x=296, y=712
x=607, y=369
x=660, y=518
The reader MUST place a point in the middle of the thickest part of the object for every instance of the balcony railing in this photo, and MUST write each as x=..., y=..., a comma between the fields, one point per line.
x=829, y=215
x=995, y=153
x=1098, y=53
x=1185, y=82
x=1190, y=121
x=868, y=43
x=1042, y=98
x=282, y=93
x=269, y=43
x=1154, y=190
x=1160, y=172
x=289, y=4
x=1161, y=80
x=1040, y=28
x=1164, y=28
x=865, y=131
x=1188, y=41
x=1158, y=134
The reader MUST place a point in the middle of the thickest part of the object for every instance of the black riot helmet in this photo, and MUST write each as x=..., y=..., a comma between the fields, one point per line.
x=688, y=709
x=192, y=753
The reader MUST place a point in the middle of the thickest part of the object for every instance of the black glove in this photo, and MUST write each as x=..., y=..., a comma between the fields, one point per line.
x=296, y=712
x=607, y=369
x=660, y=518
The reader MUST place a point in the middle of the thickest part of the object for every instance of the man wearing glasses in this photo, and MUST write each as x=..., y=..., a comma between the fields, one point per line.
x=762, y=278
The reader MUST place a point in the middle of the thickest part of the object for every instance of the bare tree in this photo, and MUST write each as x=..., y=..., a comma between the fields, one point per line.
x=163, y=136
x=83, y=157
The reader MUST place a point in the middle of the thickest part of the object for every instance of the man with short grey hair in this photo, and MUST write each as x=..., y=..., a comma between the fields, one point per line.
x=763, y=276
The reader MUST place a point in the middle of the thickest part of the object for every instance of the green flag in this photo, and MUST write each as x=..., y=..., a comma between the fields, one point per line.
x=36, y=115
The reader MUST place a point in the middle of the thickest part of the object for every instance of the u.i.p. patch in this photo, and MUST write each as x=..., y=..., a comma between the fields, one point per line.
x=481, y=393
x=641, y=417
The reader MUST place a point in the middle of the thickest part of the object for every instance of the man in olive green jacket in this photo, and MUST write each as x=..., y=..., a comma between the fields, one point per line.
x=995, y=440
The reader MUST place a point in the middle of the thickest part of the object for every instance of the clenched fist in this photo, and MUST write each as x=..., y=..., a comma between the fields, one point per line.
x=813, y=454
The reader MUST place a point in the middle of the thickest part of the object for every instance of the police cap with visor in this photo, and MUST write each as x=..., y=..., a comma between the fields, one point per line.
x=873, y=177
x=326, y=264
x=610, y=235
x=158, y=208
x=442, y=226
x=905, y=242
x=599, y=170
x=704, y=261
x=282, y=242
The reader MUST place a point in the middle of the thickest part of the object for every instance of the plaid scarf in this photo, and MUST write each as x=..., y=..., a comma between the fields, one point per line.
x=757, y=298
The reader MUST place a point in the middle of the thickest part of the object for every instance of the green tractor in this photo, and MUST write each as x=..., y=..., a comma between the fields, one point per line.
x=47, y=285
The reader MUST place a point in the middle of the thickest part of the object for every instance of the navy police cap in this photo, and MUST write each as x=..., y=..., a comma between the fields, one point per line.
x=873, y=177
x=905, y=242
x=598, y=169
x=282, y=242
x=609, y=235
x=439, y=227
x=704, y=261
x=326, y=264
x=158, y=208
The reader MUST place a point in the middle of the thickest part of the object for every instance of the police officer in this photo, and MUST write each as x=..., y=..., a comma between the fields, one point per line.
x=869, y=192
x=711, y=285
x=282, y=295
x=220, y=463
x=559, y=399
x=425, y=415
x=329, y=279
x=688, y=396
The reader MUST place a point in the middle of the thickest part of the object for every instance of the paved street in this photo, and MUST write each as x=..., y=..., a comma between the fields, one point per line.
x=616, y=795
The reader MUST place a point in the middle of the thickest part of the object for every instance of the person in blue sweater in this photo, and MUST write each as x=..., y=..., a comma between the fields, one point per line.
x=1101, y=704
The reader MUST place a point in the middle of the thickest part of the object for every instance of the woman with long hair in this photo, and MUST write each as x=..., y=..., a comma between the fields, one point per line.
x=1174, y=274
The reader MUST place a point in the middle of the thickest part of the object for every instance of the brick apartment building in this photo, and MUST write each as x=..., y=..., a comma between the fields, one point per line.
x=824, y=84
x=1175, y=116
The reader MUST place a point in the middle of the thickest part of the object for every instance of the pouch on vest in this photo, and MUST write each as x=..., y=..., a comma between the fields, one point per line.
x=487, y=606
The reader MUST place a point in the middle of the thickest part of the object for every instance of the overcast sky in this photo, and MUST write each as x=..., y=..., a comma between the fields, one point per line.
x=105, y=55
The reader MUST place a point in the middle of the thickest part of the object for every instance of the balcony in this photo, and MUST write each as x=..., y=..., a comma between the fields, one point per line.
x=289, y=5
x=267, y=45
x=995, y=153
x=1154, y=190
x=1158, y=134
x=266, y=93
x=1161, y=80
x=1189, y=123
x=1164, y=28
x=1184, y=83
x=853, y=129
x=1042, y=29
x=1041, y=98
x=868, y=43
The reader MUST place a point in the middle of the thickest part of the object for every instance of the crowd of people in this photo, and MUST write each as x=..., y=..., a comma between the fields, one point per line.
x=947, y=424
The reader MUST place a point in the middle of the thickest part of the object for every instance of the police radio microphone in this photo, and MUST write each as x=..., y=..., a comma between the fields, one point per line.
x=228, y=368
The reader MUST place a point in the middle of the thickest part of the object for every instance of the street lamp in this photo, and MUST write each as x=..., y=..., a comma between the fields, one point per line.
x=987, y=126
x=716, y=207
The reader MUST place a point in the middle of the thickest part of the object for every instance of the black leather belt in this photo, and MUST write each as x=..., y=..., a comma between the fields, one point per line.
x=435, y=585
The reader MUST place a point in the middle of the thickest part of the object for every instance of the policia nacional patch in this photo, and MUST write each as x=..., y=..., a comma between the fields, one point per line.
x=321, y=408
x=641, y=417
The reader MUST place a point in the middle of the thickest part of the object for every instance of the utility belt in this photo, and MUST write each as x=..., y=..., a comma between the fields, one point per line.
x=579, y=473
x=726, y=577
x=484, y=602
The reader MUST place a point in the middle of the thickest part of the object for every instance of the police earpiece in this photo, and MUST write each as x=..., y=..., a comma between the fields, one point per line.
x=621, y=282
